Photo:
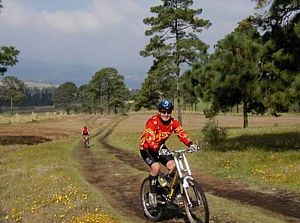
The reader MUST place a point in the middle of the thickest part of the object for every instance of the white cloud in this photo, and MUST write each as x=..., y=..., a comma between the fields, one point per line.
x=100, y=15
x=99, y=32
x=71, y=22
x=13, y=15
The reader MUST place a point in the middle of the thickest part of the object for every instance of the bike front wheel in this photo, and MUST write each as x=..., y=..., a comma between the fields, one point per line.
x=86, y=142
x=195, y=203
x=150, y=212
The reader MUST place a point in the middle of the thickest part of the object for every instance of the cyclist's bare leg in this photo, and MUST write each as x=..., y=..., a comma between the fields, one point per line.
x=155, y=168
x=153, y=175
x=171, y=165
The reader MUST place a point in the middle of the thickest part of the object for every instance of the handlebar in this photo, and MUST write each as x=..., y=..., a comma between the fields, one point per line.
x=173, y=152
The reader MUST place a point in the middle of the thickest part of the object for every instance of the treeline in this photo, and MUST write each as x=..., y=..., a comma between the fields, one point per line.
x=33, y=96
x=256, y=67
x=106, y=92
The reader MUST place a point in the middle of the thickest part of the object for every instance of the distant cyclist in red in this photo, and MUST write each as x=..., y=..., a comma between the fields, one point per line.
x=158, y=129
x=86, y=134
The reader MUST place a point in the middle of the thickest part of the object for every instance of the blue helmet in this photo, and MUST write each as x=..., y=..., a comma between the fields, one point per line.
x=165, y=105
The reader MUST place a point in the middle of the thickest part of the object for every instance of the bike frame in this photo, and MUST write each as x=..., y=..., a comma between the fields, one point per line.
x=193, y=198
x=183, y=173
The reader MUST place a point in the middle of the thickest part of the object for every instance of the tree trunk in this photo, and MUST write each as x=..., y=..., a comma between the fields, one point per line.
x=94, y=107
x=11, y=105
x=108, y=102
x=245, y=114
x=177, y=62
x=178, y=100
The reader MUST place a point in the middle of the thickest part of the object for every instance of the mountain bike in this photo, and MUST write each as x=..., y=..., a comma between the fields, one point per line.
x=86, y=141
x=177, y=188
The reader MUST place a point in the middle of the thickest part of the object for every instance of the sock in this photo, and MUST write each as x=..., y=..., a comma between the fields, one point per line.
x=153, y=183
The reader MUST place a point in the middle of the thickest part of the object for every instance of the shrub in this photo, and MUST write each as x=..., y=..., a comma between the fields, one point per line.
x=210, y=113
x=213, y=134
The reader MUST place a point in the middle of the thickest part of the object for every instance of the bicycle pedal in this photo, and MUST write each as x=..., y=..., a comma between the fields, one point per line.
x=161, y=202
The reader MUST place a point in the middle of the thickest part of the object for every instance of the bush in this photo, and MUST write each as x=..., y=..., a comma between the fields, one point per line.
x=213, y=134
x=210, y=113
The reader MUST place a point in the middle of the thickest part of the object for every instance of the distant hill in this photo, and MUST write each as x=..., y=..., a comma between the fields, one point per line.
x=39, y=85
x=58, y=73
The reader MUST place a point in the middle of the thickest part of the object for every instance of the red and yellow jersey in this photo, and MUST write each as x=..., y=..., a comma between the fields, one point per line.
x=156, y=133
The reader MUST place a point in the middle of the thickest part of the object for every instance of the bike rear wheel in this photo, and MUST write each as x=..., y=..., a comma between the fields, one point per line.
x=197, y=209
x=150, y=212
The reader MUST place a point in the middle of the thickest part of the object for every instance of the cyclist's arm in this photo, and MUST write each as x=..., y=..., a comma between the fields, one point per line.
x=148, y=137
x=181, y=134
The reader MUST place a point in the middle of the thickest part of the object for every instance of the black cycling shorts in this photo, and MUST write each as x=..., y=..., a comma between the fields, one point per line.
x=151, y=157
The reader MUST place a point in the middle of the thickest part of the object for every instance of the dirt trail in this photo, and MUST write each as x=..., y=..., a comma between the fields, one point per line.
x=102, y=174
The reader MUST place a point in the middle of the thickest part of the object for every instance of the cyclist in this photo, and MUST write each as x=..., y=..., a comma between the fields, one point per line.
x=86, y=134
x=158, y=129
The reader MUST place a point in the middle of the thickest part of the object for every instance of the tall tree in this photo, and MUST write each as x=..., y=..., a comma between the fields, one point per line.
x=86, y=98
x=12, y=89
x=65, y=95
x=8, y=57
x=108, y=90
x=232, y=74
x=158, y=84
x=118, y=92
x=174, y=38
x=281, y=67
x=188, y=82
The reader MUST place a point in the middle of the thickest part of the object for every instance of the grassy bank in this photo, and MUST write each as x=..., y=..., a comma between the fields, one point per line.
x=264, y=157
x=42, y=183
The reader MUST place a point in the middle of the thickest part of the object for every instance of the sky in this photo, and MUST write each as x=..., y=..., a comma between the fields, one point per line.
x=70, y=40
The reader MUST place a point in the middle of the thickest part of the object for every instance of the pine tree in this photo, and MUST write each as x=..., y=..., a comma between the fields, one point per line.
x=174, y=40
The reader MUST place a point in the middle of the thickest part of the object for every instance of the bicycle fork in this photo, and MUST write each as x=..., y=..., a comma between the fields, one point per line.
x=184, y=173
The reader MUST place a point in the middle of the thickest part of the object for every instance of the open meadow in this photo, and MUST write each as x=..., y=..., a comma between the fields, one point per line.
x=47, y=176
x=264, y=157
x=41, y=182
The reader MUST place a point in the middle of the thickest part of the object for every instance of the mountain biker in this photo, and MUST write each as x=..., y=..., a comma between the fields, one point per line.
x=158, y=129
x=86, y=134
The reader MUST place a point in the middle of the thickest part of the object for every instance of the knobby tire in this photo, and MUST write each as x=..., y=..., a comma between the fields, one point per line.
x=151, y=213
x=199, y=212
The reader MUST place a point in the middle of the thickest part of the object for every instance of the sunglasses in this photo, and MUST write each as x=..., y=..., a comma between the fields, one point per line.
x=166, y=112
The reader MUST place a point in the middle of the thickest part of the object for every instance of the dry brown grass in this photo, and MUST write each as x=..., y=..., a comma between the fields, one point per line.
x=192, y=121
x=42, y=183
x=53, y=128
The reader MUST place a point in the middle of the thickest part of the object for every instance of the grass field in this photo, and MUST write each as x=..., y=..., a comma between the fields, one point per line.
x=265, y=154
x=44, y=182
x=264, y=157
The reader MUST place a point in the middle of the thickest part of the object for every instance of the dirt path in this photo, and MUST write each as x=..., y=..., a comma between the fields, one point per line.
x=102, y=174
